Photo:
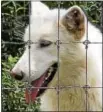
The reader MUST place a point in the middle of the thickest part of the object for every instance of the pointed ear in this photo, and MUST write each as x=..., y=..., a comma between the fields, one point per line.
x=74, y=21
x=38, y=9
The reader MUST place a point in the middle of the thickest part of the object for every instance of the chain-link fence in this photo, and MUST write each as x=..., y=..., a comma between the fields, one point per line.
x=15, y=16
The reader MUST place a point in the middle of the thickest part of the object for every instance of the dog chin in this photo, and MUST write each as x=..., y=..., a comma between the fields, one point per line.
x=41, y=84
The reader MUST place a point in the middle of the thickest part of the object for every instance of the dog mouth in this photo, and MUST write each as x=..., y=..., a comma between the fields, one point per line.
x=40, y=84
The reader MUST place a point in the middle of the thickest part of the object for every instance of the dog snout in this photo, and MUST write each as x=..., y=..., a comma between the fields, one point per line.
x=17, y=76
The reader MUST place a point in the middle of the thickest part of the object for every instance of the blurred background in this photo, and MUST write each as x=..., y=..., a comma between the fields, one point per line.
x=14, y=19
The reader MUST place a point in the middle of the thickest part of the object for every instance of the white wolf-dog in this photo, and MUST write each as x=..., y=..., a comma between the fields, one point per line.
x=73, y=63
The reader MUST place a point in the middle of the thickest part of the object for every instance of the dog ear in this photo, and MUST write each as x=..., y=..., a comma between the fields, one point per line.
x=74, y=21
x=38, y=9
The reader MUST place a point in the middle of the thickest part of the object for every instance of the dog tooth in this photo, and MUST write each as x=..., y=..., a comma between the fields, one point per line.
x=49, y=74
x=46, y=78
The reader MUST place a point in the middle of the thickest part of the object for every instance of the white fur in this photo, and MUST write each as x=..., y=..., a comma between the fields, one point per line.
x=44, y=25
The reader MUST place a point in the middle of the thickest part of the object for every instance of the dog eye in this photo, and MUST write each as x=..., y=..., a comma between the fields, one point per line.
x=45, y=43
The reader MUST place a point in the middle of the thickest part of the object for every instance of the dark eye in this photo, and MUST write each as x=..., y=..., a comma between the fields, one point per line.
x=45, y=43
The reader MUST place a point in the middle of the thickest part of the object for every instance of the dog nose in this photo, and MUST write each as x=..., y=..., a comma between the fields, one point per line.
x=17, y=76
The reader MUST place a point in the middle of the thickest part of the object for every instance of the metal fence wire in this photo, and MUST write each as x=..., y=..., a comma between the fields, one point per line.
x=58, y=44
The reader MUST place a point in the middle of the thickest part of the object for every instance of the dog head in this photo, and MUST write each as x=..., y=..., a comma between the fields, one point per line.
x=39, y=63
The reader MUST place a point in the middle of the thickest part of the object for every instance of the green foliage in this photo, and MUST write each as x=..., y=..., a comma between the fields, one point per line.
x=14, y=19
x=13, y=91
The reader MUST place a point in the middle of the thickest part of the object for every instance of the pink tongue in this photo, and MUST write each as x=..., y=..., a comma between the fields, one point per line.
x=31, y=95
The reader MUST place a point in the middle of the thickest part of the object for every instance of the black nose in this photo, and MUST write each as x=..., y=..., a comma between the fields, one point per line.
x=16, y=76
